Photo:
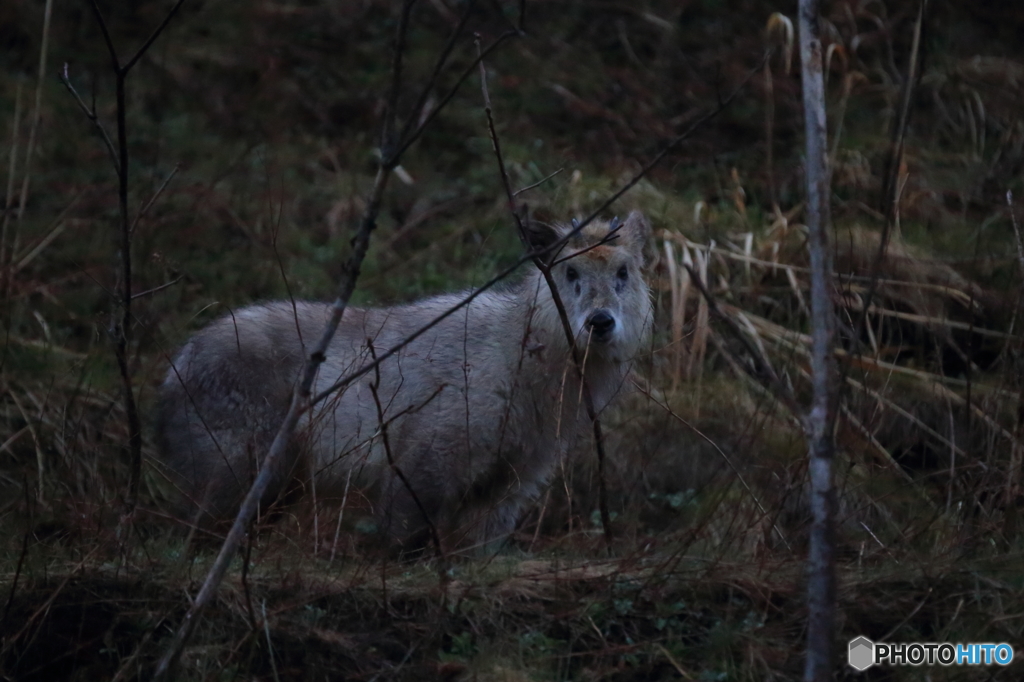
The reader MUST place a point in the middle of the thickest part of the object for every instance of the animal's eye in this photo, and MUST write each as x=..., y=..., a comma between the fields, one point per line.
x=571, y=274
x=623, y=273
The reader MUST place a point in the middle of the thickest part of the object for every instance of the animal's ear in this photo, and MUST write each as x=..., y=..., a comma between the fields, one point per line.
x=635, y=231
x=540, y=236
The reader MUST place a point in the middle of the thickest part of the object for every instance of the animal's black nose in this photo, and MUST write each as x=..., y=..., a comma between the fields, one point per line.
x=601, y=323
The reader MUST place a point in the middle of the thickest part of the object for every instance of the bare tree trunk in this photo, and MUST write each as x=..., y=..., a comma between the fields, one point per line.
x=818, y=424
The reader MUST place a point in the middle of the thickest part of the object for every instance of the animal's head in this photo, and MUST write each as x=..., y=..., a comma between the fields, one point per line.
x=599, y=277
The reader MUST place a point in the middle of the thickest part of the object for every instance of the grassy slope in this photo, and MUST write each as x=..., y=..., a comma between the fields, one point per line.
x=270, y=112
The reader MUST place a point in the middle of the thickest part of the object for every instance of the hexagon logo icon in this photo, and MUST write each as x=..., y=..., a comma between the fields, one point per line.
x=861, y=654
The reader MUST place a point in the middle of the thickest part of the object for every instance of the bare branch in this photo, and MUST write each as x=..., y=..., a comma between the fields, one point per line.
x=12, y=167
x=1016, y=231
x=92, y=116
x=21, y=560
x=818, y=425
x=152, y=200
x=890, y=187
x=149, y=41
x=387, y=140
x=417, y=110
x=163, y=286
x=115, y=65
x=545, y=270
x=537, y=184
x=383, y=426
x=33, y=124
x=412, y=137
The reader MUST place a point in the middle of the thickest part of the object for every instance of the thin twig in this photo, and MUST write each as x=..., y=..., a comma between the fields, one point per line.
x=106, y=36
x=34, y=125
x=411, y=409
x=382, y=426
x=906, y=619
x=536, y=184
x=387, y=135
x=270, y=645
x=246, y=560
x=12, y=168
x=152, y=200
x=20, y=260
x=426, y=120
x=442, y=59
x=1013, y=479
x=769, y=133
x=123, y=672
x=341, y=515
x=545, y=270
x=121, y=328
x=1016, y=232
x=890, y=188
x=21, y=560
x=40, y=461
x=163, y=286
x=92, y=116
x=149, y=41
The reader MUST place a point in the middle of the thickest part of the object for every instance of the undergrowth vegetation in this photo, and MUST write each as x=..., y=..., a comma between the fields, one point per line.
x=252, y=131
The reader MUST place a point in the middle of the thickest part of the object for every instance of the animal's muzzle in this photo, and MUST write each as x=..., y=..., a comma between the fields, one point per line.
x=601, y=325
